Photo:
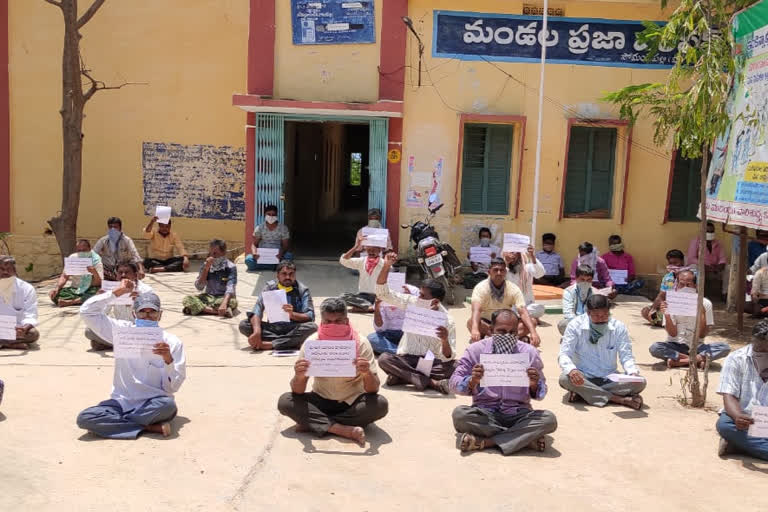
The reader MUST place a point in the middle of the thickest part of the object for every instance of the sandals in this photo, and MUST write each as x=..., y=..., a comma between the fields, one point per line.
x=469, y=443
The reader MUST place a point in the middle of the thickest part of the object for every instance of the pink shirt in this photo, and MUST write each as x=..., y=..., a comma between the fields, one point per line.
x=621, y=261
x=716, y=257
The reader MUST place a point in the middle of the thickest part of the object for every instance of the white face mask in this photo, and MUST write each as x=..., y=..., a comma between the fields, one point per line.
x=271, y=219
x=710, y=237
x=374, y=224
x=583, y=287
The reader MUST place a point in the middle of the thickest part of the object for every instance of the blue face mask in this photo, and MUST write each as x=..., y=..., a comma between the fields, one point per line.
x=141, y=322
x=113, y=234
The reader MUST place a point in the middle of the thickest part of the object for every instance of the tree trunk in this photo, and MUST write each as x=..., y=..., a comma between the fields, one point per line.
x=733, y=275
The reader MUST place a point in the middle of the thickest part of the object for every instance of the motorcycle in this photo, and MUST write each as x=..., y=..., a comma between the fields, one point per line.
x=437, y=260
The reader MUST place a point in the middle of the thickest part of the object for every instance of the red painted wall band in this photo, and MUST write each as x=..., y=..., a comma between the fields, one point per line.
x=5, y=123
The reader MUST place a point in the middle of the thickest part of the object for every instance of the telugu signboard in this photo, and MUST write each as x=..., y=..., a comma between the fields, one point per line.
x=333, y=22
x=737, y=184
x=512, y=38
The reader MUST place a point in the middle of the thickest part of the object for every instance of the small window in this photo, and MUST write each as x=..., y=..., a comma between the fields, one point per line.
x=487, y=163
x=591, y=166
x=355, y=170
x=685, y=192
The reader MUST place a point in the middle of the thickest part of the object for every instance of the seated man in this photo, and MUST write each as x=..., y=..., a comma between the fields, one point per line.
x=575, y=296
x=588, y=256
x=116, y=248
x=493, y=294
x=18, y=298
x=554, y=270
x=501, y=416
x=374, y=221
x=83, y=287
x=161, y=245
x=269, y=335
x=681, y=329
x=715, y=262
x=757, y=247
x=480, y=270
x=339, y=405
x=759, y=293
x=619, y=259
x=130, y=272
x=271, y=234
x=401, y=367
x=388, y=325
x=588, y=354
x=368, y=268
x=675, y=262
x=742, y=384
x=142, y=390
x=522, y=271
x=217, y=279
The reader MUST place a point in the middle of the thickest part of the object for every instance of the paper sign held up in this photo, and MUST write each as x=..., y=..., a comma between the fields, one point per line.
x=375, y=237
x=681, y=303
x=268, y=256
x=273, y=304
x=621, y=377
x=480, y=255
x=75, y=266
x=618, y=276
x=760, y=427
x=7, y=327
x=423, y=321
x=163, y=214
x=424, y=366
x=516, y=243
x=136, y=342
x=396, y=281
x=505, y=370
x=123, y=300
x=331, y=358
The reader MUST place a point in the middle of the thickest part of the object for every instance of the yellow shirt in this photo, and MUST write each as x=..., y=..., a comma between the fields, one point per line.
x=343, y=389
x=482, y=295
x=161, y=247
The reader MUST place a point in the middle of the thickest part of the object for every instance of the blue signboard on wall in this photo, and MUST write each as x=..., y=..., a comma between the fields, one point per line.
x=506, y=37
x=333, y=21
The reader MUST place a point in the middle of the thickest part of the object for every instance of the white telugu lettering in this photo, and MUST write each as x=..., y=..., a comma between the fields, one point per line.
x=608, y=41
x=578, y=43
x=469, y=37
x=508, y=39
x=526, y=35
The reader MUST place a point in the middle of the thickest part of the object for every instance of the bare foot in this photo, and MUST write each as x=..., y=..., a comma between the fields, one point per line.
x=18, y=345
x=354, y=433
x=539, y=444
x=163, y=429
x=470, y=443
x=633, y=402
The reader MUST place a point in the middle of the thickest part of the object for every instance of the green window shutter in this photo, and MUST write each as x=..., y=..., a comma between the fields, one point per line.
x=591, y=167
x=684, y=196
x=603, y=165
x=576, y=180
x=473, y=169
x=487, y=160
x=498, y=165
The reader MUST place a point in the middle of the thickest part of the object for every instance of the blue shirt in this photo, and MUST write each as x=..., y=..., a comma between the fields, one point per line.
x=552, y=262
x=299, y=298
x=754, y=250
x=596, y=359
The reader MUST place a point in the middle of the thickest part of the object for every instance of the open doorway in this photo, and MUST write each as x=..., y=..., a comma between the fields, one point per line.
x=326, y=187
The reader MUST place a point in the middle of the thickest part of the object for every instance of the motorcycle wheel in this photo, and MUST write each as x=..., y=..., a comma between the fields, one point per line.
x=450, y=296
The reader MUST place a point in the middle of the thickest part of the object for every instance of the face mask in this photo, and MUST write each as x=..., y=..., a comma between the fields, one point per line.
x=142, y=322
x=616, y=247
x=271, y=219
x=113, y=234
x=334, y=332
x=688, y=289
x=583, y=287
x=596, y=331
x=485, y=242
x=710, y=237
x=287, y=289
x=219, y=264
x=374, y=224
x=84, y=254
x=548, y=248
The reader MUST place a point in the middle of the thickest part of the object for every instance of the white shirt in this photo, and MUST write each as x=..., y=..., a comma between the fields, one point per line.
x=391, y=318
x=367, y=282
x=125, y=311
x=686, y=325
x=533, y=271
x=23, y=304
x=571, y=301
x=739, y=378
x=596, y=359
x=418, y=344
x=760, y=262
x=135, y=380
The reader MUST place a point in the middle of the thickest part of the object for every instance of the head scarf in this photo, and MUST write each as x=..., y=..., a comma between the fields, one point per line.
x=526, y=281
x=589, y=259
x=504, y=344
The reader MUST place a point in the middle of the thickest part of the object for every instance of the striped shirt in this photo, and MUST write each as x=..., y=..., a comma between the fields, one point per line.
x=596, y=359
x=739, y=378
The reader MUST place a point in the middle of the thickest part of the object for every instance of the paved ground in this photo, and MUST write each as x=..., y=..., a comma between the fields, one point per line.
x=232, y=451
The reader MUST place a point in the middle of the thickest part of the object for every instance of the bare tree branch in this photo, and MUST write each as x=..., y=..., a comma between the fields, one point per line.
x=53, y=2
x=98, y=85
x=87, y=15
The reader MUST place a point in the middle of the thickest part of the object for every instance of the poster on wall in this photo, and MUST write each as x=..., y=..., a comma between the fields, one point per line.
x=737, y=183
x=424, y=186
x=333, y=22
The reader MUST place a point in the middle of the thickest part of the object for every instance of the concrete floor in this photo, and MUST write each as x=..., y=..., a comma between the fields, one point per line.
x=232, y=451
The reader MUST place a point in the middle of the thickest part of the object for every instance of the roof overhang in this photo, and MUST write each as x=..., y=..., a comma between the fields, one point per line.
x=256, y=103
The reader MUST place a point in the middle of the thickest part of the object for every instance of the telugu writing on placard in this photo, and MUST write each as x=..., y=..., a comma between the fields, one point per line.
x=7, y=327
x=273, y=304
x=480, y=255
x=681, y=303
x=514, y=242
x=375, y=237
x=75, y=266
x=136, y=342
x=505, y=370
x=423, y=321
x=396, y=281
x=123, y=300
x=760, y=427
x=618, y=276
x=268, y=256
x=331, y=358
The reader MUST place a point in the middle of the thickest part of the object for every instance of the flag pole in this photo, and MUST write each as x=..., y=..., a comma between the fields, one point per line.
x=537, y=171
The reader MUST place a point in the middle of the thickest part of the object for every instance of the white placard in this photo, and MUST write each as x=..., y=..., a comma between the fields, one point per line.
x=605, y=291
x=421, y=179
x=760, y=427
x=136, y=342
x=267, y=256
x=396, y=281
x=424, y=366
x=480, y=255
x=7, y=327
x=516, y=243
x=505, y=370
x=375, y=237
x=621, y=377
x=75, y=266
x=423, y=321
x=331, y=358
x=273, y=305
x=163, y=214
x=618, y=276
x=123, y=300
x=681, y=303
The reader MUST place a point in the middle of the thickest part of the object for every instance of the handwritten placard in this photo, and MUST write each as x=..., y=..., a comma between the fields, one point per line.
x=760, y=427
x=423, y=321
x=622, y=377
x=123, y=300
x=618, y=276
x=7, y=327
x=505, y=370
x=375, y=237
x=136, y=342
x=273, y=304
x=396, y=281
x=331, y=358
x=681, y=303
x=268, y=256
x=74, y=266
x=514, y=242
x=480, y=255
x=163, y=214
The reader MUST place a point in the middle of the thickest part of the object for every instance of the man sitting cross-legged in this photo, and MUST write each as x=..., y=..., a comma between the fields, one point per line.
x=268, y=335
x=339, y=405
x=501, y=416
x=369, y=266
x=82, y=287
x=681, y=329
x=217, y=279
x=142, y=389
x=588, y=354
x=162, y=242
x=575, y=296
x=401, y=367
x=18, y=299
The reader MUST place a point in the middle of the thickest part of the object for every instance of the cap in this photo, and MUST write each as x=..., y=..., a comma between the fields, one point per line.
x=147, y=300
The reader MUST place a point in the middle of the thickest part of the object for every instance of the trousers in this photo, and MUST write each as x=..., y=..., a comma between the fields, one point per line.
x=195, y=304
x=404, y=368
x=754, y=446
x=253, y=265
x=109, y=420
x=175, y=264
x=597, y=391
x=510, y=432
x=385, y=342
x=283, y=336
x=672, y=350
x=318, y=413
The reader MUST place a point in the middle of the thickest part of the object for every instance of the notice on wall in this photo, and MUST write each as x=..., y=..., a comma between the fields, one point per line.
x=424, y=186
x=333, y=22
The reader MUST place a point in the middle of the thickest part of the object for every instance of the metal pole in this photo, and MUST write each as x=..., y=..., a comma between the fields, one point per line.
x=537, y=172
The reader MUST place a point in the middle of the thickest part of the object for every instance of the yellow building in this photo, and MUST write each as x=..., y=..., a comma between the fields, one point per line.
x=344, y=112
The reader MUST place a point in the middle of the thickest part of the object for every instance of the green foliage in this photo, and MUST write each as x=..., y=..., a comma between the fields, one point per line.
x=356, y=170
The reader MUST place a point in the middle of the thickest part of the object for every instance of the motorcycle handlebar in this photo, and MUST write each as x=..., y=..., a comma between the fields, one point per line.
x=435, y=209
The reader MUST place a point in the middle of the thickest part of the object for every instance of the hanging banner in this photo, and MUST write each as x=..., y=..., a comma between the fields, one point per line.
x=511, y=38
x=333, y=22
x=737, y=184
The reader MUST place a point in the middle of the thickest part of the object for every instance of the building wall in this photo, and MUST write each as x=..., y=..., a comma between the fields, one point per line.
x=192, y=54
